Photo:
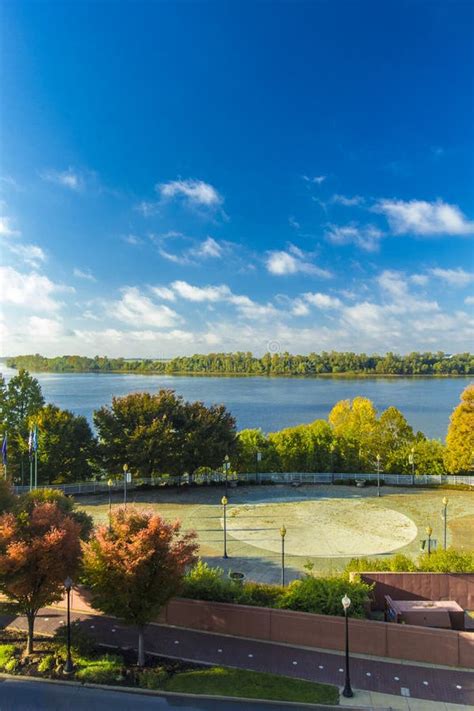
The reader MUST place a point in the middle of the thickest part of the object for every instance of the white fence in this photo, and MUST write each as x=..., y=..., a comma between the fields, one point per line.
x=295, y=478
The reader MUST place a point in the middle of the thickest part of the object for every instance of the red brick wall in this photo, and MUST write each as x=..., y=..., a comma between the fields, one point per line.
x=423, y=586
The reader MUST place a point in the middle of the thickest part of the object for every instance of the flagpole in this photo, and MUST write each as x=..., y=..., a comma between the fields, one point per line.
x=31, y=472
x=36, y=469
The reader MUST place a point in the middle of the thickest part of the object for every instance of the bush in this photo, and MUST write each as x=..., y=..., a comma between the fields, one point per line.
x=205, y=583
x=450, y=561
x=152, y=678
x=396, y=563
x=323, y=596
x=261, y=594
x=47, y=664
x=104, y=670
x=8, y=661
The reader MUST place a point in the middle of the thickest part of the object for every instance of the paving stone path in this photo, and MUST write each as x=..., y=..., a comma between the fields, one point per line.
x=372, y=674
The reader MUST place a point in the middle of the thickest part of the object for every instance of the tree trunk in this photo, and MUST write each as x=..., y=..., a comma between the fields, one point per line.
x=141, y=648
x=31, y=625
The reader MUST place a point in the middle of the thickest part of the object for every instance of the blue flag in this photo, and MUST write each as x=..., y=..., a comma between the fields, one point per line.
x=35, y=439
x=4, y=451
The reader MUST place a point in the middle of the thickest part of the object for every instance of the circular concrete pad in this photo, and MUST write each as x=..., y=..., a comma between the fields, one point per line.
x=328, y=528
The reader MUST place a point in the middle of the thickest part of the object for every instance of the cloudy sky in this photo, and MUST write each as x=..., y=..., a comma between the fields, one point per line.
x=181, y=177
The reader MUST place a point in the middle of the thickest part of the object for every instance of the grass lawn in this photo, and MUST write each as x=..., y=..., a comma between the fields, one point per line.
x=251, y=685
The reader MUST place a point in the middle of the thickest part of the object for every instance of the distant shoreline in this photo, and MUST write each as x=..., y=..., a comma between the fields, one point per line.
x=296, y=376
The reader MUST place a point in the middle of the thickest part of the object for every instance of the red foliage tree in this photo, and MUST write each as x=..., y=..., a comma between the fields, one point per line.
x=135, y=566
x=38, y=550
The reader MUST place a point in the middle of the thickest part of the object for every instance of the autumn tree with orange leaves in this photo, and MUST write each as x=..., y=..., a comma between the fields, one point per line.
x=135, y=566
x=39, y=549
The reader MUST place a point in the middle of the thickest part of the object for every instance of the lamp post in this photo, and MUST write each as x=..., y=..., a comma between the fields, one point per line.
x=445, y=517
x=226, y=471
x=283, y=534
x=125, y=476
x=69, y=666
x=411, y=460
x=378, y=474
x=347, y=691
x=110, y=484
x=224, y=502
x=429, y=531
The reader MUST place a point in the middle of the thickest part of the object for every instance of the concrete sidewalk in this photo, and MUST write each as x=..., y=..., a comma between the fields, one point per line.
x=380, y=684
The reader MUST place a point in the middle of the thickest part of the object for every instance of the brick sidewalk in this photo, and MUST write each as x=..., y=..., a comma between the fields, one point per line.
x=371, y=674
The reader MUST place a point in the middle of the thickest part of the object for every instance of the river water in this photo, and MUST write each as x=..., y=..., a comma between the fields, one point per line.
x=269, y=403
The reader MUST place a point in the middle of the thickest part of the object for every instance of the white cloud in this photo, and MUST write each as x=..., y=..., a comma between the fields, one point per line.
x=299, y=308
x=45, y=328
x=294, y=223
x=395, y=285
x=419, y=279
x=132, y=239
x=164, y=293
x=209, y=248
x=84, y=274
x=32, y=291
x=424, y=218
x=31, y=254
x=453, y=277
x=199, y=294
x=318, y=179
x=71, y=179
x=195, y=192
x=469, y=300
x=348, y=201
x=323, y=301
x=5, y=229
x=293, y=261
x=250, y=309
x=138, y=310
x=366, y=237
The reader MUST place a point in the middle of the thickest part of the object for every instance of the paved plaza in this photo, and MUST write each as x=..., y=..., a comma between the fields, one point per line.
x=326, y=525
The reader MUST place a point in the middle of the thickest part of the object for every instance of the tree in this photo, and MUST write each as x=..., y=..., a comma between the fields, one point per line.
x=135, y=566
x=38, y=550
x=393, y=439
x=459, y=455
x=23, y=400
x=66, y=446
x=160, y=433
x=65, y=504
x=355, y=425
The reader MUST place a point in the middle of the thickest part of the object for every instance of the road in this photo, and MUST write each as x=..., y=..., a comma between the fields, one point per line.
x=18, y=695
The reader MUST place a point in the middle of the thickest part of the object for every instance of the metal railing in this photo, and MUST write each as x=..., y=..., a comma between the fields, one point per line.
x=295, y=478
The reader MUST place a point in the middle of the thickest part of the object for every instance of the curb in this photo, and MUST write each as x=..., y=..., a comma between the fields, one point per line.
x=176, y=695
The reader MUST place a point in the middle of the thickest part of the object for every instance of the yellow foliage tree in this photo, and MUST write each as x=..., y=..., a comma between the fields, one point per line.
x=459, y=456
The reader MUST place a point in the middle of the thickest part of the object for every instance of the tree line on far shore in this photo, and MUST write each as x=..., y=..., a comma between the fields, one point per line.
x=245, y=363
x=161, y=434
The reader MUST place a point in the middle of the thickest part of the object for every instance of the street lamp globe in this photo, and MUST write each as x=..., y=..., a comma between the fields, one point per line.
x=224, y=501
x=283, y=531
x=346, y=602
x=445, y=501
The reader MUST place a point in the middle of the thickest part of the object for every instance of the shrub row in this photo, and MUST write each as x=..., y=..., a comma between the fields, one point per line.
x=319, y=595
x=440, y=561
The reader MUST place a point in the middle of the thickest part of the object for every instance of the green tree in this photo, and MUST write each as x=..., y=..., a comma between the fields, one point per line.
x=142, y=559
x=459, y=455
x=22, y=402
x=160, y=433
x=66, y=446
x=355, y=428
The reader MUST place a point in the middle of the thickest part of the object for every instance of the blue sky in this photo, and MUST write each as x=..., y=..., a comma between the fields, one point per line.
x=181, y=177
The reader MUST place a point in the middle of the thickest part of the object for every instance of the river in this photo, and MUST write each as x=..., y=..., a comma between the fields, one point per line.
x=269, y=403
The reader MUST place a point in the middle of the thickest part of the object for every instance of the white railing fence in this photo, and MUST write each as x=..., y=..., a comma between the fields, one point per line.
x=295, y=478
